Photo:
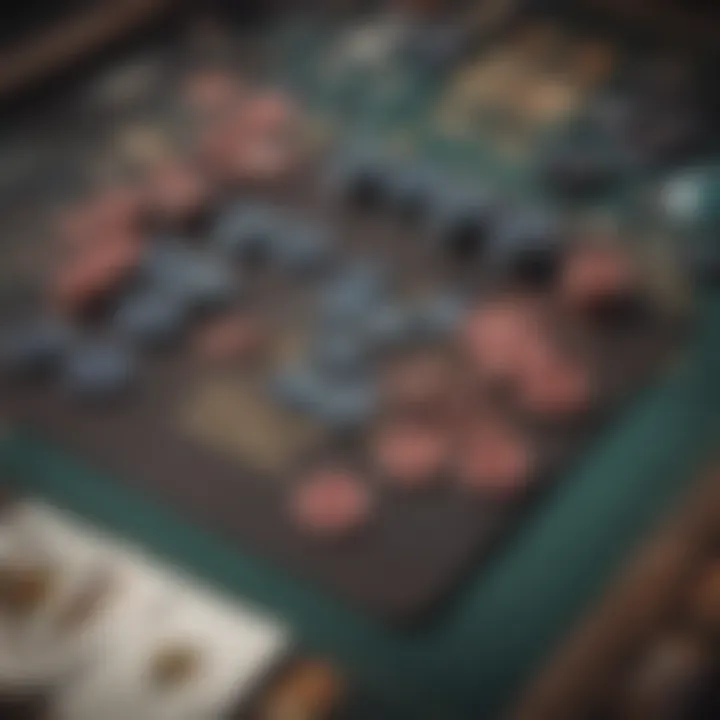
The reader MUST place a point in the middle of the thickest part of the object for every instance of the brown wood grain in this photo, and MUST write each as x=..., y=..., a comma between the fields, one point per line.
x=586, y=667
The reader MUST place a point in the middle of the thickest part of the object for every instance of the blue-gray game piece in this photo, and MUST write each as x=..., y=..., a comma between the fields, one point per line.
x=463, y=221
x=249, y=231
x=340, y=354
x=198, y=279
x=35, y=345
x=98, y=370
x=346, y=405
x=389, y=325
x=412, y=189
x=350, y=295
x=361, y=174
x=298, y=388
x=441, y=314
x=151, y=317
x=305, y=249
x=528, y=245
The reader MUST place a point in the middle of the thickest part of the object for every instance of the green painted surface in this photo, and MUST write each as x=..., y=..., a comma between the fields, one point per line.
x=472, y=658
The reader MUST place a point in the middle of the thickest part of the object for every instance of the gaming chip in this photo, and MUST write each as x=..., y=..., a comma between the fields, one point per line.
x=601, y=282
x=551, y=385
x=331, y=502
x=495, y=336
x=35, y=345
x=114, y=211
x=304, y=250
x=249, y=232
x=494, y=460
x=340, y=354
x=463, y=222
x=211, y=91
x=175, y=192
x=345, y=403
x=528, y=246
x=98, y=370
x=151, y=317
x=268, y=113
x=96, y=274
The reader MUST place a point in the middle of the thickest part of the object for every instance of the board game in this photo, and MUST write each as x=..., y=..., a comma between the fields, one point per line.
x=353, y=297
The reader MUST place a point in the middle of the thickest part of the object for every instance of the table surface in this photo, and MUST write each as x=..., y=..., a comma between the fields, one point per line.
x=511, y=615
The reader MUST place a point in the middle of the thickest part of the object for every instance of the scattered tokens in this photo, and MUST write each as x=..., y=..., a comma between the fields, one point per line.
x=331, y=502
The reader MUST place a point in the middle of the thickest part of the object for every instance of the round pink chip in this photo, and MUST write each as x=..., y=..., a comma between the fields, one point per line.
x=175, y=191
x=331, y=502
x=410, y=455
x=496, y=334
x=594, y=273
x=494, y=460
x=268, y=113
x=106, y=214
x=263, y=160
x=555, y=386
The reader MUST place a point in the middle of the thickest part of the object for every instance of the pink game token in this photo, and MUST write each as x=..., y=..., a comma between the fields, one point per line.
x=495, y=334
x=111, y=212
x=594, y=273
x=231, y=338
x=260, y=160
x=212, y=91
x=268, y=113
x=494, y=460
x=331, y=502
x=95, y=273
x=176, y=192
x=552, y=385
x=411, y=455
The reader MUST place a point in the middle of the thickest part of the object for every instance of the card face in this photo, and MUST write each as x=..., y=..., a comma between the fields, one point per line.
x=121, y=634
